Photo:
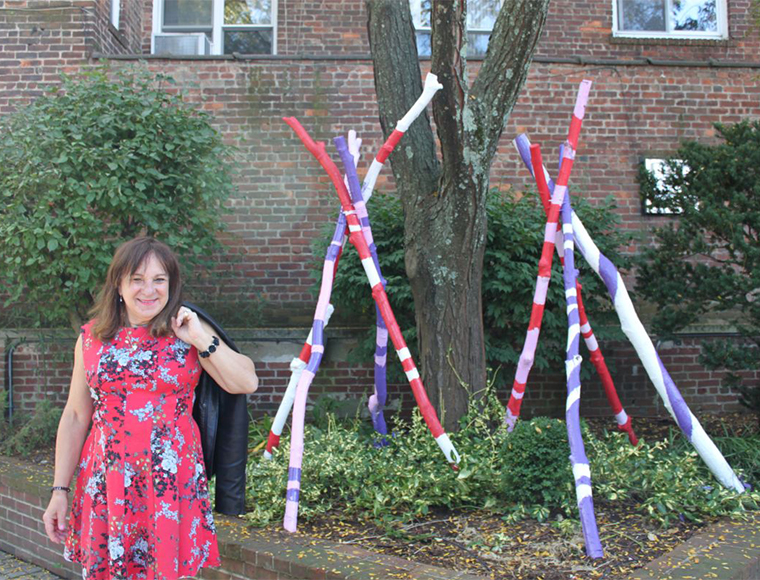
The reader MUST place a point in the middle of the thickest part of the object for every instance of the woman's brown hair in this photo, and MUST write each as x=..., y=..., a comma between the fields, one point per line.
x=109, y=312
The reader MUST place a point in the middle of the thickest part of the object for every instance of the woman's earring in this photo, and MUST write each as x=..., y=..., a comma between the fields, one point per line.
x=121, y=299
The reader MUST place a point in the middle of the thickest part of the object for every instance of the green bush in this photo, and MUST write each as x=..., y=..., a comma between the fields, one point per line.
x=708, y=260
x=536, y=464
x=103, y=158
x=515, y=238
x=525, y=473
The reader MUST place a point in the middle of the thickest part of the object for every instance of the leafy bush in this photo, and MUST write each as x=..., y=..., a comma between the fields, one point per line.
x=515, y=238
x=536, y=465
x=509, y=473
x=708, y=261
x=101, y=159
x=38, y=432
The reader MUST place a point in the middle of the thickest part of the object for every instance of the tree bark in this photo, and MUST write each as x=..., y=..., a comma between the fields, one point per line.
x=445, y=204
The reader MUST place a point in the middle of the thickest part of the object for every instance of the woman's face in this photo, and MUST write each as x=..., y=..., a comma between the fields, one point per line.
x=146, y=292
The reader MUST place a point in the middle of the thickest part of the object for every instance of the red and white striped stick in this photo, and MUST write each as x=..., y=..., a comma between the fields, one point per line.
x=527, y=356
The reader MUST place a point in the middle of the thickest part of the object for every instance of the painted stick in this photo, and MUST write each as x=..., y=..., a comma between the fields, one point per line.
x=378, y=398
x=545, y=187
x=580, y=463
x=378, y=293
x=308, y=373
x=659, y=376
x=528, y=353
x=637, y=335
x=357, y=240
x=297, y=365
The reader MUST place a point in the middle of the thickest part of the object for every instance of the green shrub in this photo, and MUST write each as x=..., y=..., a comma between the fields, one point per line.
x=536, y=468
x=524, y=474
x=515, y=238
x=707, y=262
x=101, y=159
x=38, y=432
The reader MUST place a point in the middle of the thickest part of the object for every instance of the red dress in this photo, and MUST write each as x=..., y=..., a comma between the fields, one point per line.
x=141, y=508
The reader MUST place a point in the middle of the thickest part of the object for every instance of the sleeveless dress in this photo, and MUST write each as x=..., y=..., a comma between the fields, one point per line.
x=141, y=508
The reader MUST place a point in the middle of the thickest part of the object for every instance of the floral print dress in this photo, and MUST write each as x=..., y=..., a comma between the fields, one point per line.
x=141, y=508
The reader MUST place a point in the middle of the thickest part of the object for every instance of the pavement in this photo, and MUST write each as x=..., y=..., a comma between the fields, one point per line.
x=11, y=568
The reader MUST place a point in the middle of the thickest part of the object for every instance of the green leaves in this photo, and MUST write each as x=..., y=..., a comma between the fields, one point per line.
x=707, y=262
x=515, y=238
x=106, y=158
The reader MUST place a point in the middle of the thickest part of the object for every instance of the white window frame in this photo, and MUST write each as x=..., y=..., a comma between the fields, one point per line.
x=115, y=13
x=217, y=26
x=721, y=13
x=416, y=5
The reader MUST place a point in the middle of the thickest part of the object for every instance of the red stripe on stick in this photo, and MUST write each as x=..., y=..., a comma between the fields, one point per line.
x=389, y=145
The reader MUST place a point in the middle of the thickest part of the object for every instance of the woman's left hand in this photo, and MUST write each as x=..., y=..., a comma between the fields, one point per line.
x=187, y=326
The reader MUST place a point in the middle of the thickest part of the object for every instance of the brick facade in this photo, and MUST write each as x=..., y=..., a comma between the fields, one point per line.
x=643, y=103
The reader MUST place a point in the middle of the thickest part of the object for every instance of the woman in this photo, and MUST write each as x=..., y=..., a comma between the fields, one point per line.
x=141, y=507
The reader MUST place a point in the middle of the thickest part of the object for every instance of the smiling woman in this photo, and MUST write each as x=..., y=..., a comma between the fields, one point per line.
x=136, y=366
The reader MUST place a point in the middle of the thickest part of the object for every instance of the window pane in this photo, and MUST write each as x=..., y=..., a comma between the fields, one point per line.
x=477, y=43
x=423, y=43
x=420, y=12
x=247, y=11
x=248, y=41
x=482, y=13
x=697, y=15
x=188, y=12
x=641, y=15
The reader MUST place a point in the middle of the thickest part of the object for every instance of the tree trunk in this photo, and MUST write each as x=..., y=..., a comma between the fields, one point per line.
x=444, y=205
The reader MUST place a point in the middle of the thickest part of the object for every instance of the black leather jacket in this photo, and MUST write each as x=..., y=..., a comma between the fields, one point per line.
x=223, y=422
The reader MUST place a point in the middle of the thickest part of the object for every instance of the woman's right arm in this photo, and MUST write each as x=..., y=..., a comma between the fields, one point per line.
x=72, y=431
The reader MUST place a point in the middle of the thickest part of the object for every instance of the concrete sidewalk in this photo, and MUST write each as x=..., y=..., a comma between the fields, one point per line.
x=12, y=568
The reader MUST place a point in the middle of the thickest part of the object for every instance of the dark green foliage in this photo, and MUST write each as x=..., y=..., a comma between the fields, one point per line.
x=101, y=159
x=708, y=260
x=536, y=465
x=515, y=238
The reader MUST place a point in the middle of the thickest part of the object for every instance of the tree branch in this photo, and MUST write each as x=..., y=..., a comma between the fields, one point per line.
x=505, y=68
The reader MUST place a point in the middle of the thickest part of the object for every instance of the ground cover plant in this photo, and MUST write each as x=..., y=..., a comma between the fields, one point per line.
x=525, y=474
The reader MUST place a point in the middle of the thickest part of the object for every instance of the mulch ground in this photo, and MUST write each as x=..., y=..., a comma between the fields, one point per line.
x=483, y=543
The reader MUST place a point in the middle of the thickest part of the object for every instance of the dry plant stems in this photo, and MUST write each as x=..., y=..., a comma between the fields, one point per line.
x=545, y=187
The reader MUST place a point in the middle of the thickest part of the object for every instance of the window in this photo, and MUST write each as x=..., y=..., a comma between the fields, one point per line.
x=670, y=18
x=115, y=9
x=658, y=196
x=481, y=16
x=244, y=26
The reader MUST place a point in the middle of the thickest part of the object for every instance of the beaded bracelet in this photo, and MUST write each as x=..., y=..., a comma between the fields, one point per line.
x=212, y=348
x=60, y=488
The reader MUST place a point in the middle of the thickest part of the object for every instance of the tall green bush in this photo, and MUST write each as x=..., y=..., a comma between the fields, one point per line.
x=515, y=238
x=708, y=259
x=100, y=159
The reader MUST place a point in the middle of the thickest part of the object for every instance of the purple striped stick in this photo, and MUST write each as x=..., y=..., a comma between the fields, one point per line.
x=581, y=470
x=545, y=190
x=378, y=398
x=307, y=376
x=658, y=374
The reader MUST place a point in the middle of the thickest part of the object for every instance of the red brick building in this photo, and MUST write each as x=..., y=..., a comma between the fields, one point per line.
x=663, y=71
